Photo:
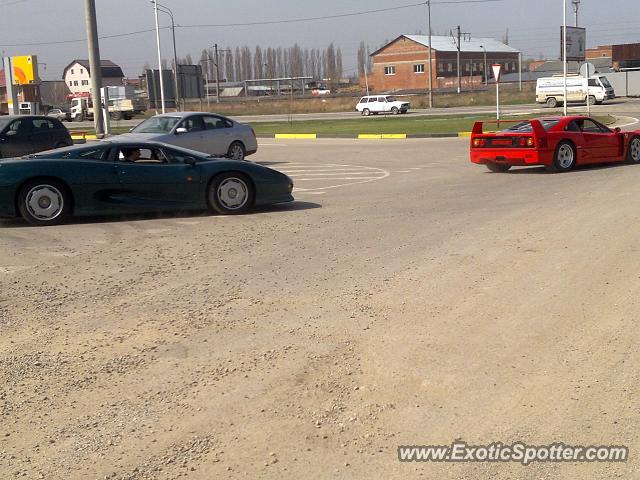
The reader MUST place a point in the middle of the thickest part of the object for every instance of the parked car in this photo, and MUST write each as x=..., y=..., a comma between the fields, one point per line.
x=558, y=143
x=106, y=178
x=25, y=134
x=59, y=114
x=381, y=104
x=203, y=132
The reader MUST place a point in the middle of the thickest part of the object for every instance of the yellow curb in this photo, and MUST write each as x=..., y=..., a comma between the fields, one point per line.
x=296, y=135
x=382, y=136
x=84, y=137
x=464, y=134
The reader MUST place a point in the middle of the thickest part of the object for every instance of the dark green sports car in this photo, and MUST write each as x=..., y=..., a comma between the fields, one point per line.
x=117, y=177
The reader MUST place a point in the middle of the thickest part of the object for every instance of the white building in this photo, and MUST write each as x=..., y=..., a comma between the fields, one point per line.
x=77, y=75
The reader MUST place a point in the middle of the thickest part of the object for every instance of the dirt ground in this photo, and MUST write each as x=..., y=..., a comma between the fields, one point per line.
x=406, y=298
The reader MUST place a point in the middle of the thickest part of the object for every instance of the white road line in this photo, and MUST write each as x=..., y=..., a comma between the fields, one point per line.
x=315, y=179
x=328, y=174
x=635, y=120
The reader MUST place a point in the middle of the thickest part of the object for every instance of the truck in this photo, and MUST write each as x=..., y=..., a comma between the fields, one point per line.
x=123, y=103
x=595, y=90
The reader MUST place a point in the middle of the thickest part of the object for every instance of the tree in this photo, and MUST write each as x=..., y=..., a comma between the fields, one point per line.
x=362, y=59
x=237, y=66
x=258, y=63
x=246, y=63
x=338, y=65
x=330, y=62
x=228, y=66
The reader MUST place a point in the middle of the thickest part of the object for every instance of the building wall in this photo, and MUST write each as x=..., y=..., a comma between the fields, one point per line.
x=78, y=80
x=403, y=55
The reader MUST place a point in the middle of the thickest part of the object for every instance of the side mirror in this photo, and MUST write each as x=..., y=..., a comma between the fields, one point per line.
x=190, y=161
x=617, y=130
x=181, y=130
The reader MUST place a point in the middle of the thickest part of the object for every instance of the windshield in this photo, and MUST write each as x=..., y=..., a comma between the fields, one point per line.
x=157, y=125
x=525, y=127
x=391, y=99
x=605, y=82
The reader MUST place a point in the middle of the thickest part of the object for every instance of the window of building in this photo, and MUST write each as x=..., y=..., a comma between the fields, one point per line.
x=72, y=71
x=418, y=68
x=75, y=83
x=70, y=83
x=449, y=67
x=466, y=67
x=85, y=82
x=440, y=67
x=391, y=70
x=81, y=70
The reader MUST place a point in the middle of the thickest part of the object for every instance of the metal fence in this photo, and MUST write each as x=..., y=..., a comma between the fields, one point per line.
x=625, y=84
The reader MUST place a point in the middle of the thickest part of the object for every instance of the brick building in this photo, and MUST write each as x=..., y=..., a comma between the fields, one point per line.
x=403, y=64
x=622, y=56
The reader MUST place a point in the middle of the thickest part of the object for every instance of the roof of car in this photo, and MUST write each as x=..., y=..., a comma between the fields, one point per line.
x=184, y=114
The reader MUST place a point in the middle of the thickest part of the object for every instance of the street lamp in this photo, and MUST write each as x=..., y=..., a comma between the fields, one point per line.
x=486, y=74
x=167, y=10
x=155, y=8
x=576, y=5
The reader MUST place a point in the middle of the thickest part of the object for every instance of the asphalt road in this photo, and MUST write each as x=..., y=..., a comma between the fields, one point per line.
x=621, y=106
x=407, y=297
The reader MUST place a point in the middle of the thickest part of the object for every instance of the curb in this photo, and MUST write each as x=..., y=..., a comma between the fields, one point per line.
x=361, y=136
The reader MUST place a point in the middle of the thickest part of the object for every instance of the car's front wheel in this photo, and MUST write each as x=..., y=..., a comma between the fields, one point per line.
x=236, y=151
x=564, y=158
x=633, y=150
x=366, y=112
x=44, y=202
x=231, y=193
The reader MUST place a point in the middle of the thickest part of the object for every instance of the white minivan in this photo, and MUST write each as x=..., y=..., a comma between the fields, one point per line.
x=596, y=89
x=381, y=104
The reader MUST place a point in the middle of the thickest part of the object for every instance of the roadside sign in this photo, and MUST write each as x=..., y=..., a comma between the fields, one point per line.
x=496, y=71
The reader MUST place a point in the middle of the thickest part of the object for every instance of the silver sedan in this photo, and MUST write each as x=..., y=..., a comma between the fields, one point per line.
x=204, y=132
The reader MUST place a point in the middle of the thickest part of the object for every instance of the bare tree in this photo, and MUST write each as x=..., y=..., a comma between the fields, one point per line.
x=228, y=66
x=330, y=62
x=271, y=63
x=246, y=63
x=338, y=65
x=280, y=69
x=237, y=66
x=258, y=63
x=362, y=58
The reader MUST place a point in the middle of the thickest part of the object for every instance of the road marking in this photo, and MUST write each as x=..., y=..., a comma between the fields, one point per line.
x=339, y=175
x=311, y=136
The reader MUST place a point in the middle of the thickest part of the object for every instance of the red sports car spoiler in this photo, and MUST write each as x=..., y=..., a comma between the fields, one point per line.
x=536, y=126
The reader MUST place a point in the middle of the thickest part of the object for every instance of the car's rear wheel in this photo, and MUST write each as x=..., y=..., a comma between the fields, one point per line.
x=366, y=112
x=236, y=151
x=117, y=115
x=552, y=102
x=633, y=150
x=394, y=110
x=44, y=202
x=498, y=167
x=564, y=158
x=231, y=193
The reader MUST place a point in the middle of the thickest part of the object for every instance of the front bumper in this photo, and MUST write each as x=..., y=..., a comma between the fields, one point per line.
x=517, y=158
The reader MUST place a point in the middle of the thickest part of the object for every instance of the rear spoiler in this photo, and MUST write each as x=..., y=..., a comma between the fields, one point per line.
x=539, y=133
x=536, y=126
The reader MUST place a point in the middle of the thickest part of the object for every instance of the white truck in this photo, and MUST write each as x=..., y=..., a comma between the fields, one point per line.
x=595, y=89
x=122, y=104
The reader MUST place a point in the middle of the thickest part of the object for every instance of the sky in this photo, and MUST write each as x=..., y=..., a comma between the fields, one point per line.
x=33, y=26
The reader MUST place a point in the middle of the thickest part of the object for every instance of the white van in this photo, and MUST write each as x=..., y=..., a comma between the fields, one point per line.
x=550, y=90
x=381, y=104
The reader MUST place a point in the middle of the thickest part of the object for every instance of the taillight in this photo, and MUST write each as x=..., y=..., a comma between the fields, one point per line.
x=530, y=142
x=525, y=142
x=478, y=142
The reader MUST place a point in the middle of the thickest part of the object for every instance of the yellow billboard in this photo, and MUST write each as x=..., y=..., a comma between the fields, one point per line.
x=25, y=70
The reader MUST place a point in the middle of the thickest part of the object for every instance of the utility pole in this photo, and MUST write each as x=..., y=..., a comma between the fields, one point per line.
x=217, y=74
x=486, y=72
x=459, y=73
x=576, y=5
x=430, y=63
x=94, y=65
x=155, y=8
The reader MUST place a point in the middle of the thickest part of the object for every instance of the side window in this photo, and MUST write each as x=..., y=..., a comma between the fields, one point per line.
x=21, y=126
x=373, y=99
x=175, y=156
x=382, y=99
x=214, y=123
x=193, y=124
x=92, y=154
x=573, y=127
x=141, y=155
x=590, y=127
x=593, y=82
x=42, y=124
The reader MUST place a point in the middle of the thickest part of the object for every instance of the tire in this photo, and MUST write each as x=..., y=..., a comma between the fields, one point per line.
x=498, y=167
x=366, y=112
x=231, y=193
x=78, y=118
x=236, y=151
x=44, y=202
x=552, y=102
x=394, y=110
x=592, y=100
x=565, y=157
x=633, y=151
x=116, y=115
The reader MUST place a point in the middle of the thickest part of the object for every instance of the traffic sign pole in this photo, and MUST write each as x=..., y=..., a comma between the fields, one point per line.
x=496, y=74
